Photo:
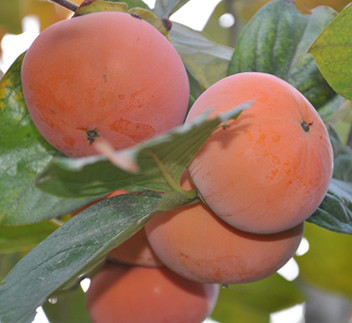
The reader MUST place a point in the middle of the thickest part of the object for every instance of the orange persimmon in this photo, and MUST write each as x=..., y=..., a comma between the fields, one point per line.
x=121, y=293
x=104, y=75
x=268, y=170
x=196, y=244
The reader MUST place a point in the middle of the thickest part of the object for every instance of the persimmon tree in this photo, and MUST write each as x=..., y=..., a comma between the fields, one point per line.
x=45, y=252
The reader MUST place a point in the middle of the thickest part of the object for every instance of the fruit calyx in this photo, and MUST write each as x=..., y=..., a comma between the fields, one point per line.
x=92, y=6
x=92, y=134
x=306, y=126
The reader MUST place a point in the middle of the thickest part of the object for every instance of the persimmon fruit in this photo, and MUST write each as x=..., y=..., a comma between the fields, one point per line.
x=121, y=293
x=198, y=245
x=104, y=75
x=136, y=251
x=268, y=170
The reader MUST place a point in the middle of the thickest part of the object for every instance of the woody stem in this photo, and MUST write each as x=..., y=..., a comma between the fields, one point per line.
x=66, y=4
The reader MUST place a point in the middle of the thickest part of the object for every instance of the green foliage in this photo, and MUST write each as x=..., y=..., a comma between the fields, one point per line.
x=335, y=212
x=68, y=306
x=24, y=237
x=165, y=8
x=276, y=41
x=37, y=183
x=72, y=250
x=137, y=8
x=84, y=240
x=160, y=163
x=7, y=262
x=342, y=157
x=341, y=120
x=205, y=60
x=100, y=6
x=332, y=52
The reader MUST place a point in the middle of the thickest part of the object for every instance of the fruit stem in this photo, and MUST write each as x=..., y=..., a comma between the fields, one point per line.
x=66, y=4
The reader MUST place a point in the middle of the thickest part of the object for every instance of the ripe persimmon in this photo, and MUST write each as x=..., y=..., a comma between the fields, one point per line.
x=135, y=250
x=103, y=75
x=121, y=293
x=268, y=170
x=196, y=244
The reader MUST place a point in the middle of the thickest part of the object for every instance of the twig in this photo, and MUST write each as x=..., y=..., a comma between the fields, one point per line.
x=66, y=4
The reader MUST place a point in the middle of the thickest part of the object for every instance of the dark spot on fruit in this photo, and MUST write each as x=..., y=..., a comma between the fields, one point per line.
x=224, y=126
x=92, y=135
x=136, y=16
x=306, y=126
x=105, y=78
x=167, y=23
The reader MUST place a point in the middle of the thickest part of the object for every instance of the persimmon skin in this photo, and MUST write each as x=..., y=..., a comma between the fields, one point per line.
x=196, y=244
x=124, y=294
x=135, y=251
x=103, y=75
x=270, y=169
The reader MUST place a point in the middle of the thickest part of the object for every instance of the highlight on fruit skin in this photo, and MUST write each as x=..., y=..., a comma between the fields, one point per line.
x=268, y=170
x=103, y=75
x=120, y=293
x=196, y=244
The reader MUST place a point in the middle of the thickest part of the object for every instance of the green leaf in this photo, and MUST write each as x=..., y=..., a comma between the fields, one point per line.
x=328, y=262
x=134, y=3
x=24, y=153
x=68, y=306
x=205, y=60
x=342, y=157
x=335, y=212
x=99, y=6
x=331, y=106
x=24, y=237
x=137, y=8
x=341, y=120
x=165, y=8
x=276, y=41
x=109, y=5
x=158, y=160
x=254, y=302
x=72, y=250
x=333, y=53
x=7, y=262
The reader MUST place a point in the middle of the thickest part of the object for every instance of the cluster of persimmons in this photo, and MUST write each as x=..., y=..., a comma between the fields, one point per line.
x=114, y=76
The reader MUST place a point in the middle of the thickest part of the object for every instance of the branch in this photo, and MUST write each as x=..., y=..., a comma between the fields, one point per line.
x=66, y=4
